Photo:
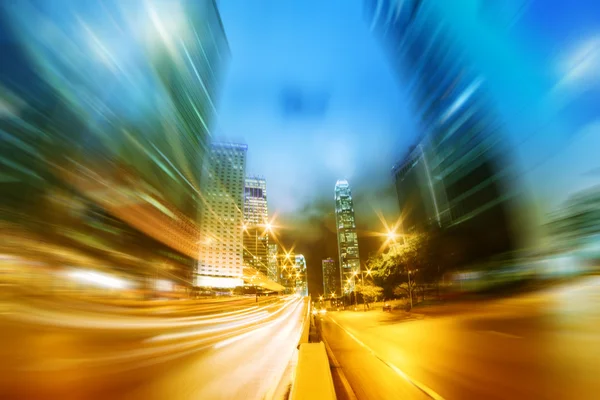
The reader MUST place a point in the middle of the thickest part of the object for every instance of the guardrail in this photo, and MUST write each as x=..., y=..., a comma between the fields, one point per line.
x=313, y=375
x=313, y=380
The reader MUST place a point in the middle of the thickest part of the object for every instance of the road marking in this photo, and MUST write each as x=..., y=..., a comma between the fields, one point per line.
x=503, y=334
x=421, y=386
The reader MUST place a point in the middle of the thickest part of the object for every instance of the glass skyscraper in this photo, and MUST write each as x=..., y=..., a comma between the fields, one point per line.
x=349, y=260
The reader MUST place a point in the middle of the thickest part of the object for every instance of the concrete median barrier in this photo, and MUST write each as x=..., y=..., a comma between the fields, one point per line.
x=313, y=375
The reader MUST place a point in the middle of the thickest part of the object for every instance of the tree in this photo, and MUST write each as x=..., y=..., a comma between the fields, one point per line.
x=369, y=292
x=418, y=255
x=406, y=289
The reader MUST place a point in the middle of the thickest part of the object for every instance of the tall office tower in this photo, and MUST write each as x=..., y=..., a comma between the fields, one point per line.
x=331, y=278
x=300, y=276
x=273, y=273
x=458, y=176
x=256, y=228
x=221, y=241
x=346, y=235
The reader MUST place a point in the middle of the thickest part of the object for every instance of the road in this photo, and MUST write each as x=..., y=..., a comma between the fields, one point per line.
x=543, y=345
x=76, y=353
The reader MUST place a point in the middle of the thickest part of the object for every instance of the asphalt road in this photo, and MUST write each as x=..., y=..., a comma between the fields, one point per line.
x=243, y=353
x=538, y=346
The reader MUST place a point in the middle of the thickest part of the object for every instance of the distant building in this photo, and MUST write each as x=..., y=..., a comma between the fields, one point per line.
x=349, y=260
x=255, y=201
x=256, y=235
x=331, y=278
x=458, y=175
x=300, y=275
x=221, y=241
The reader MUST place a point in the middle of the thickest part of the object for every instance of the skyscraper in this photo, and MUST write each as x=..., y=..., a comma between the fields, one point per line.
x=221, y=241
x=331, y=278
x=300, y=275
x=256, y=228
x=349, y=260
x=458, y=176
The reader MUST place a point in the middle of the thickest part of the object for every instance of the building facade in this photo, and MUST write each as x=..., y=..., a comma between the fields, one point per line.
x=222, y=224
x=256, y=232
x=331, y=278
x=458, y=175
x=349, y=259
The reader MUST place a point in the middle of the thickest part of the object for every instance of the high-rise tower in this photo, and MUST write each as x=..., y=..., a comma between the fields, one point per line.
x=221, y=246
x=346, y=235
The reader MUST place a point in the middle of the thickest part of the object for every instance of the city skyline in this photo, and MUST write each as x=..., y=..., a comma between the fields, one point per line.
x=361, y=199
x=337, y=109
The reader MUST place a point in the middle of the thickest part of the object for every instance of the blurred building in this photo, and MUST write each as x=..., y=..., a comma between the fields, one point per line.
x=458, y=175
x=331, y=278
x=115, y=157
x=256, y=228
x=222, y=224
x=576, y=225
x=416, y=198
x=273, y=264
x=347, y=238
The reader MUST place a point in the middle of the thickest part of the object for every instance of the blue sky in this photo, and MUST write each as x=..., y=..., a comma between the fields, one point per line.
x=310, y=91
